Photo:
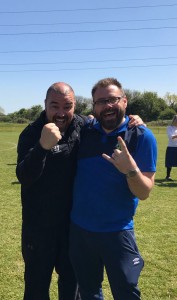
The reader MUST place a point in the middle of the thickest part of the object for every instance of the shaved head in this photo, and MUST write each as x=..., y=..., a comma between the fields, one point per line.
x=60, y=88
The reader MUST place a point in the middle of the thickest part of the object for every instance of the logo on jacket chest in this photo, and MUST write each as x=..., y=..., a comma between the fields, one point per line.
x=56, y=149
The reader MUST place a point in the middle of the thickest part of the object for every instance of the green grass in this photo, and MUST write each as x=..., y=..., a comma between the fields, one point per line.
x=155, y=226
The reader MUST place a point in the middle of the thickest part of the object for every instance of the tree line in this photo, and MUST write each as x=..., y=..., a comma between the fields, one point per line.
x=147, y=104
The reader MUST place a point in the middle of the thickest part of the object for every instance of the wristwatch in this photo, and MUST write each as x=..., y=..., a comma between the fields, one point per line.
x=132, y=173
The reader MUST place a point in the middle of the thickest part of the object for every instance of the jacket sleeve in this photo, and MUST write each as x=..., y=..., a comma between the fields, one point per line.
x=31, y=158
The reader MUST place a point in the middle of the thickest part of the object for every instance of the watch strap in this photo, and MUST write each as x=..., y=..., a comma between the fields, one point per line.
x=132, y=173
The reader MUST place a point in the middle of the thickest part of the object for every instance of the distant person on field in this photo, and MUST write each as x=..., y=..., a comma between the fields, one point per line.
x=171, y=151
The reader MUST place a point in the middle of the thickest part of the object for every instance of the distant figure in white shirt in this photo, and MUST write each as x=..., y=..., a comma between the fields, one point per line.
x=171, y=151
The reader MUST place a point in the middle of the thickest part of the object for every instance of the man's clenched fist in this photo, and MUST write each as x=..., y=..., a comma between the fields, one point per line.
x=50, y=136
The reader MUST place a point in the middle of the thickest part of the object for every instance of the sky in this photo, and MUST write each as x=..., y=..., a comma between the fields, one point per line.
x=80, y=42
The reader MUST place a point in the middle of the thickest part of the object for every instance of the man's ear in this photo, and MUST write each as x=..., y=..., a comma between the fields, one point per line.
x=45, y=103
x=125, y=101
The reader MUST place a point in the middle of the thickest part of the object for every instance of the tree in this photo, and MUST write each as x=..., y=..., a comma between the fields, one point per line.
x=132, y=95
x=82, y=105
x=167, y=114
x=34, y=112
x=171, y=100
x=25, y=115
x=134, y=102
x=148, y=105
x=2, y=111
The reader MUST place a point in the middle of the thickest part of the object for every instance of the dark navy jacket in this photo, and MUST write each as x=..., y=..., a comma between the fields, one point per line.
x=46, y=177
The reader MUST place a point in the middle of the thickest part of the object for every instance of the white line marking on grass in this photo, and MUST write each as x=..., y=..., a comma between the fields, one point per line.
x=10, y=148
x=157, y=234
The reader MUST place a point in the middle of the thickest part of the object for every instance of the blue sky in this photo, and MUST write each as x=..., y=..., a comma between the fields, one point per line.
x=80, y=42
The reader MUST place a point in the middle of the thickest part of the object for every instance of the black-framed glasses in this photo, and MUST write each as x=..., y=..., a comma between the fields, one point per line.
x=110, y=100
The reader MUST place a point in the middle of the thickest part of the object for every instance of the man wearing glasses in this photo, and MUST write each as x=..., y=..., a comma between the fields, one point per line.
x=110, y=178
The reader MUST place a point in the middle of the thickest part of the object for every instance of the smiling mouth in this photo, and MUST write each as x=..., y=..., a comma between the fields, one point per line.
x=109, y=114
x=58, y=120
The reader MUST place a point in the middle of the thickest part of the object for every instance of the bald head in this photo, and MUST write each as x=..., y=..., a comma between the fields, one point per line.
x=60, y=88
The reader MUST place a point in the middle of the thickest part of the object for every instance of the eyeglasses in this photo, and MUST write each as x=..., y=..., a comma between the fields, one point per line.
x=110, y=100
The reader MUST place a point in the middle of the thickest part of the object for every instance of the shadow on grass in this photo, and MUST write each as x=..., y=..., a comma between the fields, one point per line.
x=11, y=164
x=164, y=183
x=15, y=182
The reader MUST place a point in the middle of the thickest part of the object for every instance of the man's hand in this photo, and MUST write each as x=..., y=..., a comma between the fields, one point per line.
x=121, y=159
x=140, y=185
x=135, y=120
x=50, y=136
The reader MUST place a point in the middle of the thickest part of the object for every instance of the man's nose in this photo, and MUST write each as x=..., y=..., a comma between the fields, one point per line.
x=60, y=112
x=108, y=103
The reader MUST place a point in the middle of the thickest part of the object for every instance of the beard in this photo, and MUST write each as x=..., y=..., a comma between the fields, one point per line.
x=110, y=118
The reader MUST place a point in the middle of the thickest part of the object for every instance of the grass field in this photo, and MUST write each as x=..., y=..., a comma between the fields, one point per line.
x=155, y=225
